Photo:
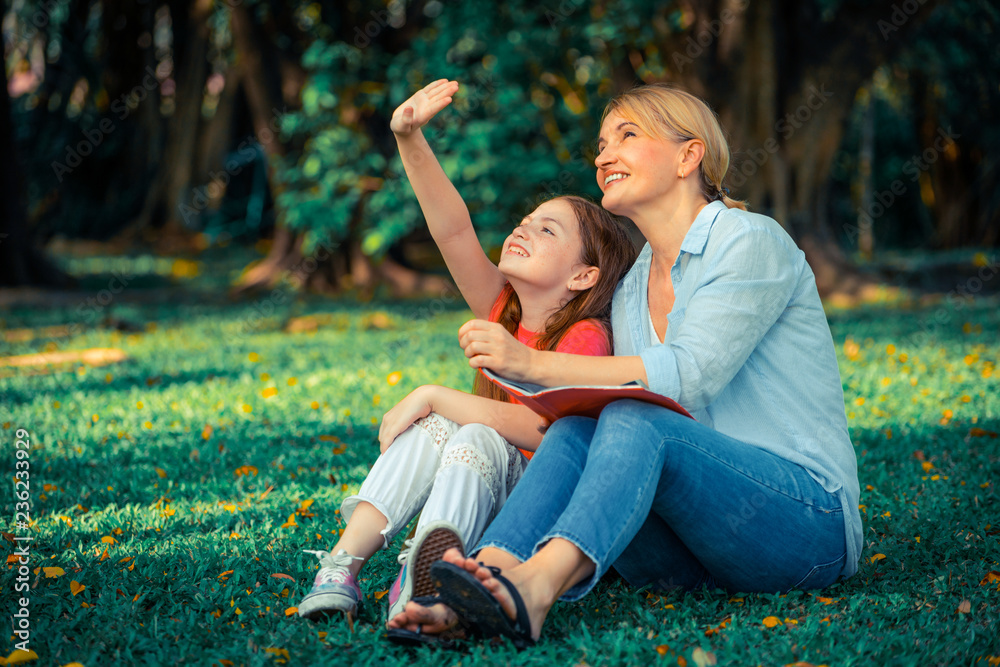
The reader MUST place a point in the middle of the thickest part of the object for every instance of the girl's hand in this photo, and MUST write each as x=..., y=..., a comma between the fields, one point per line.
x=415, y=112
x=418, y=403
x=489, y=345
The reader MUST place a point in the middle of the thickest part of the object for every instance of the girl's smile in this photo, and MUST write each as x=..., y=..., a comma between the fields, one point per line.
x=544, y=250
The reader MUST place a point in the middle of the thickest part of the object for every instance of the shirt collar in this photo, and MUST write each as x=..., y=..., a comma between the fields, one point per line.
x=697, y=236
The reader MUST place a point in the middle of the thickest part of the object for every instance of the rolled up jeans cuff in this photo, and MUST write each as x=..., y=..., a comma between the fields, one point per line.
x=579, y=590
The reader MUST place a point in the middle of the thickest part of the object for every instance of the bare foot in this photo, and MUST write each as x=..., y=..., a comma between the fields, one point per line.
x=429, y=620
x=533, y=590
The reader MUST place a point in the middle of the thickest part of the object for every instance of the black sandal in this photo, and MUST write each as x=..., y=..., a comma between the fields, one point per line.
x=474, y=604
x=445, y=640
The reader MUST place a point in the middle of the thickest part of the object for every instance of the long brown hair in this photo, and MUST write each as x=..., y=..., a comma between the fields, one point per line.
x=668, y=113
x=604, y=244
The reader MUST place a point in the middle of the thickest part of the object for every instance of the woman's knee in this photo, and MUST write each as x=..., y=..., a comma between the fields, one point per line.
x=570, y=433
x=637, y=423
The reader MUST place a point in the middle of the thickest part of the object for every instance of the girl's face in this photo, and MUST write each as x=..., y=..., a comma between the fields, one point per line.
x=544, y=250
x=634, y=168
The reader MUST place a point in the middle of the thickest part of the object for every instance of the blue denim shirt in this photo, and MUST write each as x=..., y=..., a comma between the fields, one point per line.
x=748, y=349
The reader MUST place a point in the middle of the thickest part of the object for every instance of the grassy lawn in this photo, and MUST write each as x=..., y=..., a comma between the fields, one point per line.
x=173, y=493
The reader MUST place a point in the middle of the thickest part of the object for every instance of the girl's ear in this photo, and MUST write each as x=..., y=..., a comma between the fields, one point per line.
x=584, y=279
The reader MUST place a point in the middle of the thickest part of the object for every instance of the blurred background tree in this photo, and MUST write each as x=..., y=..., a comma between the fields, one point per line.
x=862, y=127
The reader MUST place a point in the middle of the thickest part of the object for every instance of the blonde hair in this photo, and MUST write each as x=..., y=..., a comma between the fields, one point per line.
x=668, y=113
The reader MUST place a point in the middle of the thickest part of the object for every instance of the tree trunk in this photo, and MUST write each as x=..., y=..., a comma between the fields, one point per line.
x=783, y=81
x=169, y=204
x=21, y=263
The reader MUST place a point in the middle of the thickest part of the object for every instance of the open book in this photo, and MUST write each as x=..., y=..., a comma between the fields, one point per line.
x=584, y=401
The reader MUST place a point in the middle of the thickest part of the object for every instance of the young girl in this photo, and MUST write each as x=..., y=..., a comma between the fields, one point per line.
x=452, y=454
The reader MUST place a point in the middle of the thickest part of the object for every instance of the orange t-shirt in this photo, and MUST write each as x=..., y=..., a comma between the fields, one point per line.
x=585, y=337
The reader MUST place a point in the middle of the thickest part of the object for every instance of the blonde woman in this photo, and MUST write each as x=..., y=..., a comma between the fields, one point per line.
x=720, y=313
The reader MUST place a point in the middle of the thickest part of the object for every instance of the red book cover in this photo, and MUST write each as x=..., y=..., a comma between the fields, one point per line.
x=584, y=401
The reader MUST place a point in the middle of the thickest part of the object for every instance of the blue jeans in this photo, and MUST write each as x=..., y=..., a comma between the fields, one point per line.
x=673, y=503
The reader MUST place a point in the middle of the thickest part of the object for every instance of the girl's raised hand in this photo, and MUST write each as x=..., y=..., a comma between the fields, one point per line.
x=415, y=112
x=489, y=345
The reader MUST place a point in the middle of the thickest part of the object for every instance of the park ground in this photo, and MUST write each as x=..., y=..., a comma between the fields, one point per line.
x=173, y=491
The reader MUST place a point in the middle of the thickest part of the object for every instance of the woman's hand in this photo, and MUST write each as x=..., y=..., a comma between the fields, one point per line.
x=489, y=345
x=418, y=403
x=415, y=112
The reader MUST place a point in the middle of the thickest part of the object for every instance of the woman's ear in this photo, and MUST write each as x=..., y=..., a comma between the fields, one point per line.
x=584, y=279
x=691, y=156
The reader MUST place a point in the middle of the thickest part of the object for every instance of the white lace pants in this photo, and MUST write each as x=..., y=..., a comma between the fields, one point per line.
x=462, y=474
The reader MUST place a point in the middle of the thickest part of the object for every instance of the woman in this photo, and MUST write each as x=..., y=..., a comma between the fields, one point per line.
x=721, y=313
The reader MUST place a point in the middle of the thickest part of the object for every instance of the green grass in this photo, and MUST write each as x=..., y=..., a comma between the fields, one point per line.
x=122, y=452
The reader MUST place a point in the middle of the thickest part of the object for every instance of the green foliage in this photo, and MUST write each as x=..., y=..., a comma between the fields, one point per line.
x=944, y=81
x=207, y=536
x=519, y=129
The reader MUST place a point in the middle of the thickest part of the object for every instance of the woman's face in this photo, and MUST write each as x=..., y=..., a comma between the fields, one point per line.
x=634, y=168
x=544, y=250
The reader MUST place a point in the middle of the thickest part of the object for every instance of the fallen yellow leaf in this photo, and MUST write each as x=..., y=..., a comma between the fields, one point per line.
x=991, y=577
x=161, y=472
x=19, y=656
x=53, y=572
x=291, y=611
x=76, y=587
x=771, y=621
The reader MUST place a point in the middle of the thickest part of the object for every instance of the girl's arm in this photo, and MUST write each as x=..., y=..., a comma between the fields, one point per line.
x=447, y=216
x=516, y=423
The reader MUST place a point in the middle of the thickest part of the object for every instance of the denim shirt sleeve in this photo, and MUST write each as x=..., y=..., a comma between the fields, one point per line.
x=747, y=279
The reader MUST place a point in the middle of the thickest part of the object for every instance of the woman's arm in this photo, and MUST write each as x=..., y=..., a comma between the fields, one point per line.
x=489, y=345
x=516, y=423
x=447, y=216
x=751, y=278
